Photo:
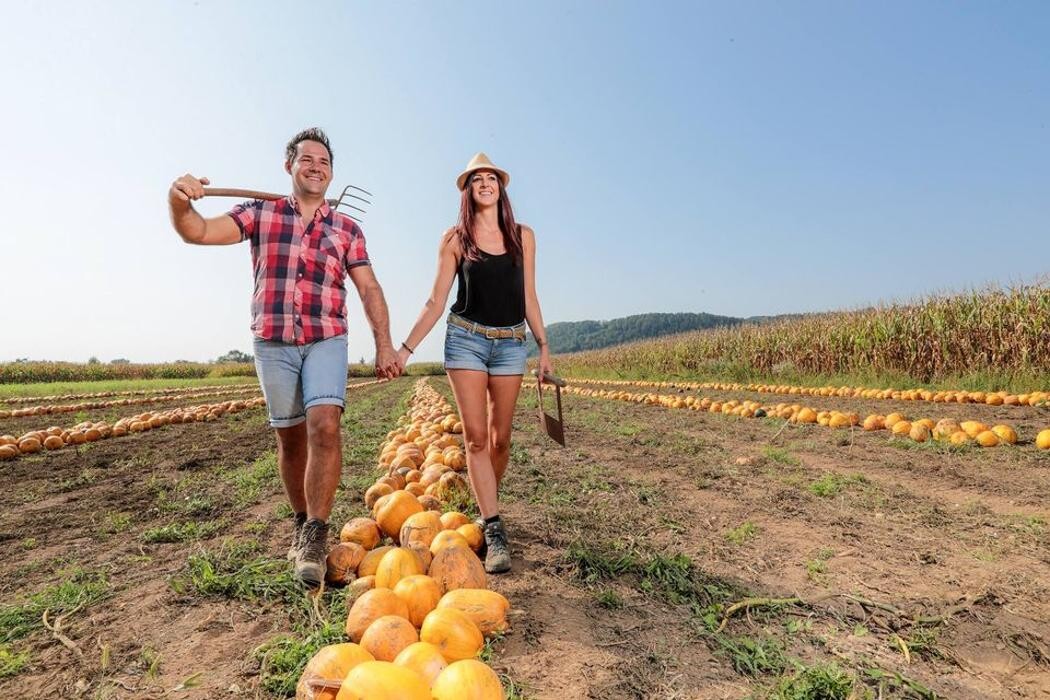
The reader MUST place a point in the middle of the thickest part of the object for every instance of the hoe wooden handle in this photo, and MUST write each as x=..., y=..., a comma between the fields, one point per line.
x=551, y=379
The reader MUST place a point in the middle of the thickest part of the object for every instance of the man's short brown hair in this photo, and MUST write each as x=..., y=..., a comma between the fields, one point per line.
x=312, y=134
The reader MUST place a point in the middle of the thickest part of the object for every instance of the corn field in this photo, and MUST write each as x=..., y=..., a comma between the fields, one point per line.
x=994, y=335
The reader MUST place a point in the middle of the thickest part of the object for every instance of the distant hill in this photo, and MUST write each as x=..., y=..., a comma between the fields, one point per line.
x=572, y=336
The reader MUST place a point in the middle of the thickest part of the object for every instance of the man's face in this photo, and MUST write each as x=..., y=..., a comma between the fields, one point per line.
x=311, y=169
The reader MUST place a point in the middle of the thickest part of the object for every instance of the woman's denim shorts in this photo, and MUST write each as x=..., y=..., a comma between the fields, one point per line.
x=295, y=378
x=468, y=350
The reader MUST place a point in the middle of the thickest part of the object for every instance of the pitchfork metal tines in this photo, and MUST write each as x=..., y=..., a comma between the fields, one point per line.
x=347, y=198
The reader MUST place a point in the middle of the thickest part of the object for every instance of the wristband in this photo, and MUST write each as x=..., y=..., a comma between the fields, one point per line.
x=410, y=350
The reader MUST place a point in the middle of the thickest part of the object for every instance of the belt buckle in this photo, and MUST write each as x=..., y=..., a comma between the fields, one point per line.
x=492, y=333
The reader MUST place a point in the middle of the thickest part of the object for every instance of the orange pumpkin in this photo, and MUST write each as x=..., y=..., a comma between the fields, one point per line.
x=370, y=562
x=448, y=538
x=429, y=502
x=420, y=529
x=415, y=488
x=1005, y=434
x=467, y=680
x=473, y=534
x=424, y=556
x=382, y=680
x=395, y=565
x=363, y=531
x=421, y=594
x=330, y=663
x=919, y=432
x=342, y=562
x=987, y=438
x=453, y=633
x=375, y=492
x=453, y=519
x=486, y=609
x=423, y=658
x=358, y=587
x=371, y=606
x=393, y=513
x=387, y=636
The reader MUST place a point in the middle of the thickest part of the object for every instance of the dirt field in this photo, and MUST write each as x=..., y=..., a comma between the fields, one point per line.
x=919, y=572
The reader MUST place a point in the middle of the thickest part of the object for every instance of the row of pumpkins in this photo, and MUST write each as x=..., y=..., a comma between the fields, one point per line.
x=421, y=609
x=55, y=438
x=166, y=391
x=52, y=408
x=921, y=430
x=991, y=398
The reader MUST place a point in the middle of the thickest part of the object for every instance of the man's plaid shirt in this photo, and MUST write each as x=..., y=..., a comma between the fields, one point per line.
x=300, y=269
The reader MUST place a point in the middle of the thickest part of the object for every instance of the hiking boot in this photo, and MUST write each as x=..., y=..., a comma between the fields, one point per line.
x=310, y=562
x=497, y=556
x=297, y=534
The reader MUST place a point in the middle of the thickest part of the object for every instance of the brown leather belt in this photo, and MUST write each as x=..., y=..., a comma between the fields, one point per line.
x=488, y=331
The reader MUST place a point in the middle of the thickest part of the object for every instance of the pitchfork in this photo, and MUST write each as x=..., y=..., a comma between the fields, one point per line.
x=349, y=193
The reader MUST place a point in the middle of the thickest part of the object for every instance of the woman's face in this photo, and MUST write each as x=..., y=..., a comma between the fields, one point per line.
x=484, y=186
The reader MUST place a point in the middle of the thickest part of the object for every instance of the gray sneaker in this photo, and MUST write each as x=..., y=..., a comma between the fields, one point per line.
x=297, y=534
x=497, y=556
x=310, y=562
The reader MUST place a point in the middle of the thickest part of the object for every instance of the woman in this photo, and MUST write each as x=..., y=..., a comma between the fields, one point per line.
x=494, y=260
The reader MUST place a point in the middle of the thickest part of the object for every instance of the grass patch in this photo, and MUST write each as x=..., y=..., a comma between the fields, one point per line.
x=282, y=659
x=248, y=482
x=79, y=590
x=780, y=456
x=921, y=642
x=182, y=532
x=609, y=599
x=12, y=662
x=742, y=533
x=831, y=484
x=592, y=565
x=236, y=571
x=84, y=478
x=752, y=657
x=819, y=682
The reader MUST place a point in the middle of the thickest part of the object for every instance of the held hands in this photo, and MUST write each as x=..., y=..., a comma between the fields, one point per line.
x=388, y=363
x=187, y=188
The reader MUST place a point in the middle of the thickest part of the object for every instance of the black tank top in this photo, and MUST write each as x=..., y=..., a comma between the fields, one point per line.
x=491, y=290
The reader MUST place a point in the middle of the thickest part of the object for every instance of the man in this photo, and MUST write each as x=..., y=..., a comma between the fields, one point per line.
x=302, y=251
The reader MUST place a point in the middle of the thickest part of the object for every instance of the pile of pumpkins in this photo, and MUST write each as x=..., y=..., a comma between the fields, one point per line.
x=419, y=606
x=921, y=430
x=991, y=398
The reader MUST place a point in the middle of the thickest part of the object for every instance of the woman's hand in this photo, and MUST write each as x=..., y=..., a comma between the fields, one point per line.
x=545, y=361
x=402, y=355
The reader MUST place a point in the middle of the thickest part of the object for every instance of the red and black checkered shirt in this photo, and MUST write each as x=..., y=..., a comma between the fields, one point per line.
x=300, y=269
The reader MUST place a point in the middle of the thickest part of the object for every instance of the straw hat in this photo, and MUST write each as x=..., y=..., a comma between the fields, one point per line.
x=480, y=161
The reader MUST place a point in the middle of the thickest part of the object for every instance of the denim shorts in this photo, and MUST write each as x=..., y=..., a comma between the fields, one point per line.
x=296, y=377
x=468, y=350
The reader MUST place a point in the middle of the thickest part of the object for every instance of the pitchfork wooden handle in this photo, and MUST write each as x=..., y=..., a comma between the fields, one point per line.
x=235, y=192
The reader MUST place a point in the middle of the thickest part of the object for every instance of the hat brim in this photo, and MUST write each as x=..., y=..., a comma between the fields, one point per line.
x=504, y=176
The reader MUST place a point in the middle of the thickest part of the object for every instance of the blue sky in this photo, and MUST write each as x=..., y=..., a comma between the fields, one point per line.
x=737, y=158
